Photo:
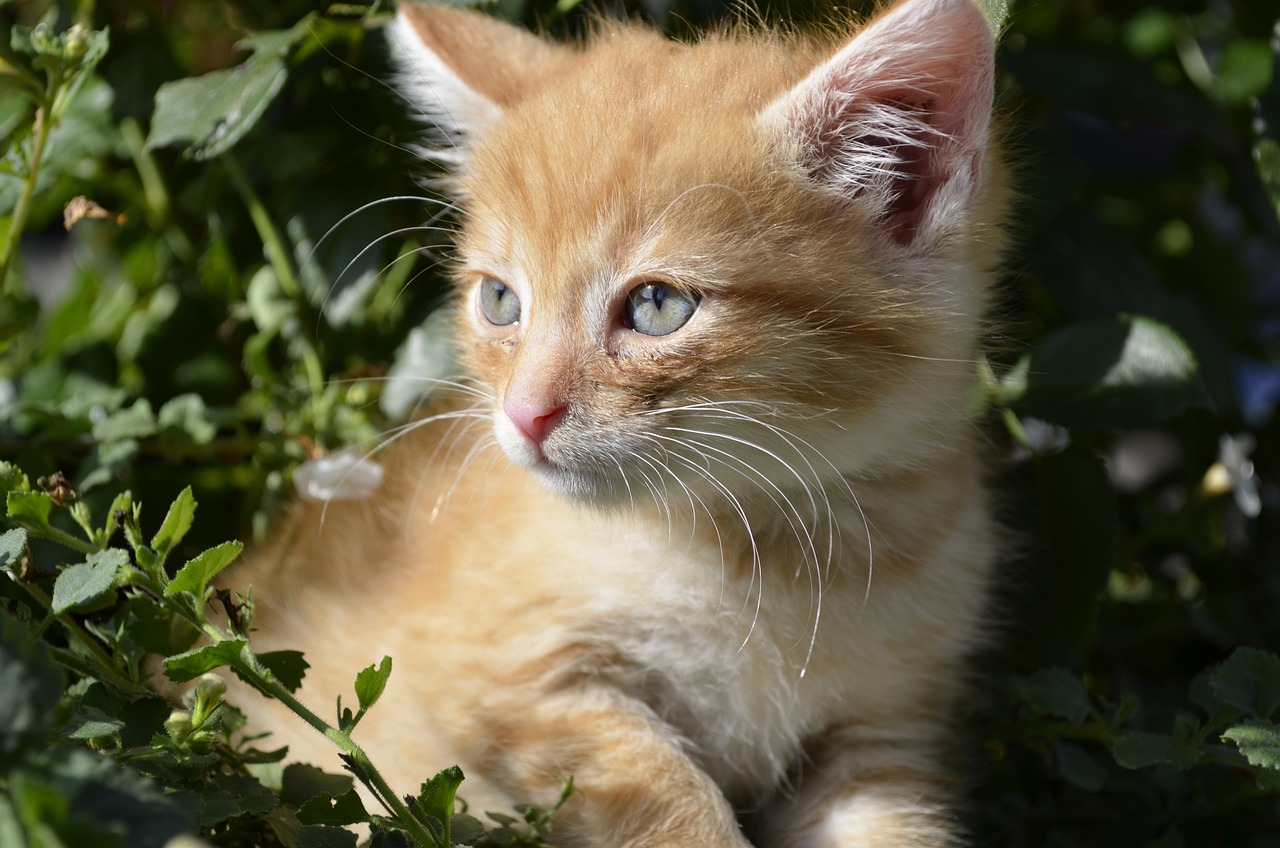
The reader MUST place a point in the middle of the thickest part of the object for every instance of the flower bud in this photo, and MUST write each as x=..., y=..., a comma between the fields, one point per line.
x=178, y=725
x=77, y=41
x=210, y=688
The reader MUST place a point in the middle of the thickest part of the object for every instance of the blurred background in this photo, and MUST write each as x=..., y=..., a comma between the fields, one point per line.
x=180, y=312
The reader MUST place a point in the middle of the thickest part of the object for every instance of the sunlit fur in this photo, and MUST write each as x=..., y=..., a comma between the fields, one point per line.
x=738, y=581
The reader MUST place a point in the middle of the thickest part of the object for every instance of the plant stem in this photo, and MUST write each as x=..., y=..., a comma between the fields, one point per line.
x=252, y=671
x=257, y=676
x=278, y=257
x=101, y=665
x=272, y=244
x=43, y=127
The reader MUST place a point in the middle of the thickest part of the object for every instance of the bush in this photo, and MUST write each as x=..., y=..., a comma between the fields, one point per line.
x=251, y=269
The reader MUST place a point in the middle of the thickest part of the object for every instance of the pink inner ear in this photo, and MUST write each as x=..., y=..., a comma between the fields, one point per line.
x=900, y=115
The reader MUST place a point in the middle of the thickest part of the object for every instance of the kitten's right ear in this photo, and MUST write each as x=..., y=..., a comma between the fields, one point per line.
x=461, y=69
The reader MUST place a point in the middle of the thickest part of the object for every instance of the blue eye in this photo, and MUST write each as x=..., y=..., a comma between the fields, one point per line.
x=658, y=309
x=498, y=303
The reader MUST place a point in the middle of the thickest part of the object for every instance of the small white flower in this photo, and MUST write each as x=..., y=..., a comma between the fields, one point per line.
x=1233, y=472
x=339, y=476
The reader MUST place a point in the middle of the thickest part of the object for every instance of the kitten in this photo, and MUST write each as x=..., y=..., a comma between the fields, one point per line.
x=706, y=527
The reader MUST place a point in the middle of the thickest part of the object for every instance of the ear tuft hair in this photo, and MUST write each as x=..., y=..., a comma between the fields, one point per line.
x=898, y=118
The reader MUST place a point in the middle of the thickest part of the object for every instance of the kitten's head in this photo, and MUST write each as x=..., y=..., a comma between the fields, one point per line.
x=752, y=263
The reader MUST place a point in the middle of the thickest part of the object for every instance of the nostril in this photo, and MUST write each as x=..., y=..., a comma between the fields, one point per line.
x=534, y=420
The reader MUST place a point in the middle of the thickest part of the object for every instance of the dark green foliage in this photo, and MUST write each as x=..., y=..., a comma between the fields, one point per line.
x=224, y=320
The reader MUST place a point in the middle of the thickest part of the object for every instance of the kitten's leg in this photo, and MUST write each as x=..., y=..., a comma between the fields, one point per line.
x=637, y=787
x=869, y=787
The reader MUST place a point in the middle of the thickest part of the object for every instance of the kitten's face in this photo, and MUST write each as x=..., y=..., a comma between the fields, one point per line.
x=665, y=300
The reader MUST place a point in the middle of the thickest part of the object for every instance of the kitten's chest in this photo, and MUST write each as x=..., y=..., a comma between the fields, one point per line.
x=735, y=661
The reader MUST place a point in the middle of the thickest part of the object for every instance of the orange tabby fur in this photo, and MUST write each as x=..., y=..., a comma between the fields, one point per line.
x=738, y=576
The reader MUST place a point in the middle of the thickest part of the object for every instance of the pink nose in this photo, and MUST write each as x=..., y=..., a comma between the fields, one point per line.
x=533, y=419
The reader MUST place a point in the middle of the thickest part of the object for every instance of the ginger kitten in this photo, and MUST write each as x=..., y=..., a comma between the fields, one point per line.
x=705, y=525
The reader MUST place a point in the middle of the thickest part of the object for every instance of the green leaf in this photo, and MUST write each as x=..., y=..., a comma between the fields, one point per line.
x=1250, y=680
x=438, y=794
x=1137, y=750
x=210, y=113
x=88, y=580
x=30, y=686
x=288, y=667
x=1057, y=692
x=187, y=415
x=1259, y=741
x=269, y=307
x=31, y=509
x=12, y=545
x=176, y=523
x=1078, y=767
x=324, y=836
x=325, y=809
x=12, y=479
x=302, y=782
x=194, y=577
x=1266, y=155
x=1244, y=69
x=93, y=726
x=1125, y=372
x=371, y=682
x=156, y=629
x=134, y=422
x=191, y=664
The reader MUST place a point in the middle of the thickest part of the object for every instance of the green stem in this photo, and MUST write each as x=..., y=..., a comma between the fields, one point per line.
x=252, y=671
x=44, y=127
x=271, y=241
x=100, y=664
x=260, y=678
x=65, y=539
x=278, y=257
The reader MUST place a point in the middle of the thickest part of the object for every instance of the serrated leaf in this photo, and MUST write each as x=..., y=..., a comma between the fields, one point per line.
x=30, y=508
x=1250, y=680
x=438, y=795
x=12, y=545
x=194, y=577
x=89, y=580
x=93, y=726
x=1125, y=372
x=1057, y=692
x=177, y=521
x=1259, y=741
x=1138, y=749
x=191, y=664
x=371, y=682
x=288, y=667
x=341, y=811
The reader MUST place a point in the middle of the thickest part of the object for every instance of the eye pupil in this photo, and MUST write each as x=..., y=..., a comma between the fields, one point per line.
x=658, y=309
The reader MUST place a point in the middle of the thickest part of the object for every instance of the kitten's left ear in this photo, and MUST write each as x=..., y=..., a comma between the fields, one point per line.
x=898, y=118
x=463, y=69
